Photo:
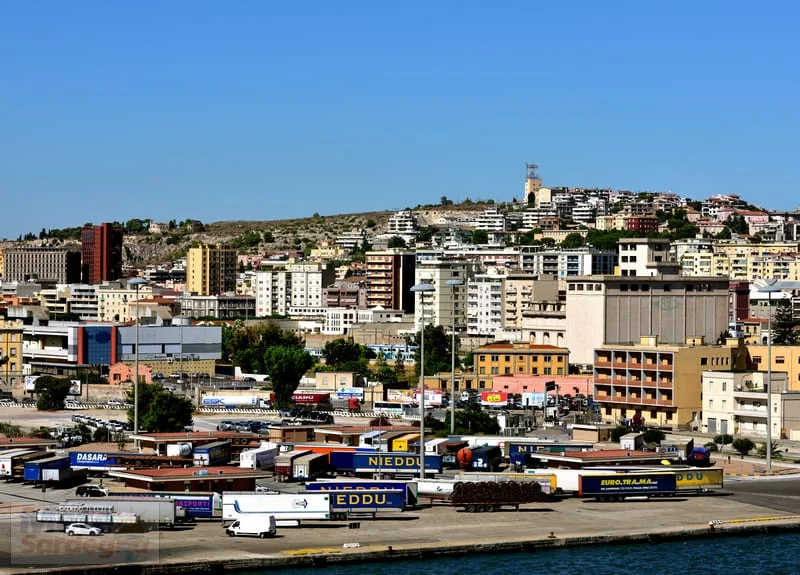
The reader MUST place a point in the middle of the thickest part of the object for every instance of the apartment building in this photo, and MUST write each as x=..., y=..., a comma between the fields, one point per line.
x=2, y=263
x=211, y=270
x=736, y=403
x=506, y=358
x=402, y=223
x=521, y=292
x=567, y=263
x=10, y=353
x=389, y=277
x=308, y=281
x=47, y=264
x=785, y=358
x=101, y=253
x=231, y=306
x=439, y=303
x=645, y=257
x=620, y=310
x=485, y=304
x=273, y=292
x=661, y=382
x=114, y=300
x=345, y=294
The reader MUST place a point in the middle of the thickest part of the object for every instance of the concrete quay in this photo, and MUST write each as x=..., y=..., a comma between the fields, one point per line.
x=423, y=533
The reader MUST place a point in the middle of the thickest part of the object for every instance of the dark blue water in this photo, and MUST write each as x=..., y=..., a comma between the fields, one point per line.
x=747, y=555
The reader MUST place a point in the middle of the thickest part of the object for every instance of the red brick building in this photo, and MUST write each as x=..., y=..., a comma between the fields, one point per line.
x=101, y=253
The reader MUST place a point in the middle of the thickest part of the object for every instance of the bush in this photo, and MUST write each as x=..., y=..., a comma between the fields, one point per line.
x=711, y=446
x=743, y=446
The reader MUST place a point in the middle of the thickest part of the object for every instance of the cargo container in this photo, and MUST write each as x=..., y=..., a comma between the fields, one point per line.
x=34, y=471
x=409, y=488
x=262, y=457
x=195, y=504
x=618, y=486
x=310, y=466
x=395, y=463
x=402, y=443
x=288, y=509
x=150, y=511
x=284, y=462
x=216, y=453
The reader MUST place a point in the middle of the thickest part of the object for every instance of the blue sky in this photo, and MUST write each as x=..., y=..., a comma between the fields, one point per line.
x=265, y=110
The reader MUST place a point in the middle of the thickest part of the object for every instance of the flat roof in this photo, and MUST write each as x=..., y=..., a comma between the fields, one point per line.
x=614, y=455
x=188, y=473
x=25, y=441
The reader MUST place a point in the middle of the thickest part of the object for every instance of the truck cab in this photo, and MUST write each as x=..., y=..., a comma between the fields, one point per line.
x=262, y=526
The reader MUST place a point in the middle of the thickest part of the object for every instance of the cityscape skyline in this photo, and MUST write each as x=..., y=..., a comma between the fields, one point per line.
x=278, y=111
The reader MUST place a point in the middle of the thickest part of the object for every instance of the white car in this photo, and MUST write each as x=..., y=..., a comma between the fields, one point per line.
x=82, y=529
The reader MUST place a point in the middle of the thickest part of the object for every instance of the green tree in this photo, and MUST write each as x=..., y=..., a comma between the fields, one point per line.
x=725, y=234
x=286, y=366
x=573, y=241
x=480, y=237
x=473, y=420
x=346, y=355
x=723, y=439
x=160, y=410
x=396, y=242
x=437, y=350
x=268, y=237
x=619, y=431
x=737, y=225
x=654, y=436
x=52, y=392
x=425, y=234
x=245, y=346
x=445, y=202
x=743, y=446
x=775, y=449
x=783, y=324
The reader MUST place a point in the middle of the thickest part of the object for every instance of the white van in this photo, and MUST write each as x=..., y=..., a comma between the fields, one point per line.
x=258, y=525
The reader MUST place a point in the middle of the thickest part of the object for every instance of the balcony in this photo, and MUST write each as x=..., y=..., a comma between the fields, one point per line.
x=751, y=412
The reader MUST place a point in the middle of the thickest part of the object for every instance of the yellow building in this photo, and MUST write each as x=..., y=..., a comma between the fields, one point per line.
x=505, y=358
x=662, y=382
x=10, y=353
x=785, y=358
x=211, y=270
x=328, y=251
x=705, y=264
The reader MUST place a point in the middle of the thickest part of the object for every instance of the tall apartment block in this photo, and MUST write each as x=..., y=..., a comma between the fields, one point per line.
x=211, y=270
x=101, y=251
x=390, y=277
x=47, y=264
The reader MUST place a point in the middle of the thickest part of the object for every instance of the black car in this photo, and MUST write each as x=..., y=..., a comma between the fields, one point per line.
x=91, y=491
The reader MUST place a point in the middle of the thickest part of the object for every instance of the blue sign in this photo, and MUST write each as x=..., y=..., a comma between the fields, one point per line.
x=395, y=462
x=367, y=500
x=628, y=484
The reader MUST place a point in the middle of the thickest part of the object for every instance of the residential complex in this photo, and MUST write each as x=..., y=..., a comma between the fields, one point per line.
x=211, y=270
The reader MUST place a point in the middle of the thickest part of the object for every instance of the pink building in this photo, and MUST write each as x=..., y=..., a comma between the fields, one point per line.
x=567, y=384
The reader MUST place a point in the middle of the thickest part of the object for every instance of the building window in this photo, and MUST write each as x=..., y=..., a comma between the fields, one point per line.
x=710, y=404
x=724, y=404
x=495, y=371
x=548, y=359
x=669, y=416
x=724, y=385
x=608, y=411
x=13, y=351
x=508, y=358
x=653, y=414
x=547, y=371
x=483, y=371
x=757, y=359
x=703, y=361
x=560, y=371
x=495, y=357
x=712, y=425
x=507, y=370
x=534, y=371
x=780, y=359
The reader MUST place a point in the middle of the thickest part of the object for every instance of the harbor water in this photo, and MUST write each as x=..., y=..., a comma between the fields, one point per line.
x=745, y=555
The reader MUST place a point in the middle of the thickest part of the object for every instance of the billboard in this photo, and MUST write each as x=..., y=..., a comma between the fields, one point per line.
x=30, y=382
x=627, y=484
x=533, y=399
x=494, y=398
x=91, y=459
x=343, y=392
x=310, y=397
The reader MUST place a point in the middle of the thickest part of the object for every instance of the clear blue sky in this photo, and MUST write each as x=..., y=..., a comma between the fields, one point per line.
x=263, y=110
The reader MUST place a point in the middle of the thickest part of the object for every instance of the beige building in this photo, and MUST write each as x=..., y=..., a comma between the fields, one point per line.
x=785, y=358
x=116, y=301
x=620, y=310
x=705, y=264
x=662, y=382
x=736, y=403
x=645, y=257
x=521, y=291
x=10, y=353
x=211, y=270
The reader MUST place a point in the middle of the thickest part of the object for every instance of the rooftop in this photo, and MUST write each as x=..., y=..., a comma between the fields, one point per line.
x=188, y=473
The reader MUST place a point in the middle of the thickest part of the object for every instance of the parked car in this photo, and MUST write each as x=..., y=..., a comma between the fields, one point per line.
x=82, y=529
x=91, y=491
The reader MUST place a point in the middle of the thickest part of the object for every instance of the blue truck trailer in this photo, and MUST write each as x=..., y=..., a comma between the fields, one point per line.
x=409, y=488
x=368, y=502
x=47, y=469
x=398, y=463
x=616, y=486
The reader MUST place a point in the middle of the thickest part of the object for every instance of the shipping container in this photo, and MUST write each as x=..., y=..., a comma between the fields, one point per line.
x=310, y=466
x=32, y=470
x=262, y=457
x=284, y=462
x=402, y=443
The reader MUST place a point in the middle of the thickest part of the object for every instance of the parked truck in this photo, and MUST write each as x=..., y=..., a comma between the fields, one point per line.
x=409, y=488
x=150, y=511
x=53, y=470
x=310, y=466
x=195, y=504
x=345, y=504
x=479, y=496
x=12, y=461
x=289, y=509
x=262, y=457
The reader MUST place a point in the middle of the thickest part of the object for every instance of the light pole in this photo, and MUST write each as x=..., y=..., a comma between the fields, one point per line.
x=422, y=289
x=454, y=283
x=769, y=289
x=136, y=282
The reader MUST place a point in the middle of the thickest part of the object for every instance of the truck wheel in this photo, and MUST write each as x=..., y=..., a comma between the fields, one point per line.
x=230, y=534
x=469, y=508
x=262, y=535
x=480, y=508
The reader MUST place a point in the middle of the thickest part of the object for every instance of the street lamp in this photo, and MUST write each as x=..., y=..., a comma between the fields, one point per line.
x=454, y=283
x=769, y=289
x=136, y=282
x=422, y=289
